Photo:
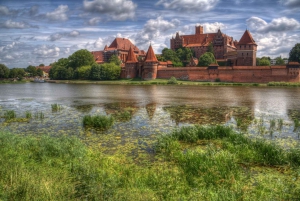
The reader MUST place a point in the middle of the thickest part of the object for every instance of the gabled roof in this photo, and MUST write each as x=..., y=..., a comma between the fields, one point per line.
x=247, y=39
x=46, y=69
x=150, y=56
x=122, y=44
x=131, y=58
x=98, y=56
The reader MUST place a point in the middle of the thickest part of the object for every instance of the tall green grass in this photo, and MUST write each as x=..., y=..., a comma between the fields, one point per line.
x=98, y=121
x=10, y=114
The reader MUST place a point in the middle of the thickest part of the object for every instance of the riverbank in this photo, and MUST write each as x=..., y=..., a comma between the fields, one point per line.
x=194, y=163
x=165, y=82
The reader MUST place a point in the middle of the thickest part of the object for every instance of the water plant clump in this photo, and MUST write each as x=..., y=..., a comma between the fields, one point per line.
x=9, y=114
x=39, y=115
x=56, y=107
x=28, y=115
x=172, y=80
x=98, y=121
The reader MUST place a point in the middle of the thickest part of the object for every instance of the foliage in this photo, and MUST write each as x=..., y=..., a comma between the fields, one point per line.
x=106, y=71
x=31, y=70
x=170, y=55
x=279, y=61
x=206, y=59
x=294, y=54
x=58, y=72
x=4, y=71
x=55, y=107
x=264, y=62
x=39, y=72
x=17, y=73
x=42, y=65
x=83, y=72
x=81, y=58
x=115, y=59
x=10, y=114
x=184, y=54
x=172, y=80
x=98, y=121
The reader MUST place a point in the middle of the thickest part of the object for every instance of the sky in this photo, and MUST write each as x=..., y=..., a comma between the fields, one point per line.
x=34, y=32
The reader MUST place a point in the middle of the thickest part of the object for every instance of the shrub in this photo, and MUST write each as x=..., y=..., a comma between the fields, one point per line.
x=172, y=80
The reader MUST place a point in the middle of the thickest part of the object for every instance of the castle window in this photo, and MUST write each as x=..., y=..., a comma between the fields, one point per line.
x=247, y=54
x=242, y=54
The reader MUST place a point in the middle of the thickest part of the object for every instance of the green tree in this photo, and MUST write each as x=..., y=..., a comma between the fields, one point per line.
x=81, y=58
x=115, y=59
x=279, y=61
x=106, y=71
x=31, y=70
x=17, y=73
x=83, y=72
x=39, y=72
x=42, y=65
x=184, y=54
x=264, y=62
x=170, y=55
x=4, y=71
x=210, y=48
x=295, y=53
x=206, y=59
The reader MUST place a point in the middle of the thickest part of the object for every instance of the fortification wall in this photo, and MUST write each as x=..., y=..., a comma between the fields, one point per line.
x=249, y=74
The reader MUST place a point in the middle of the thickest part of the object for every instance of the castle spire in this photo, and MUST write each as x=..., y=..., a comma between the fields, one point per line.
x=131, y=58
x=247, y=39
x=150, y=56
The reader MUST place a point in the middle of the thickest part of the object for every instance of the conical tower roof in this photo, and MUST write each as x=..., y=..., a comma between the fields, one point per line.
x=131, y=58
x=150, y=56
x=247, y=39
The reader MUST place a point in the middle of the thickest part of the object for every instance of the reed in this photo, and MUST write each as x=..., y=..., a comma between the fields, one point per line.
x=98, y=121
x=55, y=107
x=28, y=115
x=9, y=114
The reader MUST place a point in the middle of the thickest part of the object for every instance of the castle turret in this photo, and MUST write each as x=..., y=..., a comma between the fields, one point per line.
x=131, y=64
x=150, y=65
x=246, y=50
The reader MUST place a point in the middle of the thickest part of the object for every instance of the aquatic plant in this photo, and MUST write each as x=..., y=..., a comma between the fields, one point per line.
x=10, y=114
x=39, y=115
x=280, y=124
x=98, y=121
x=28, y=114
x=55, y=107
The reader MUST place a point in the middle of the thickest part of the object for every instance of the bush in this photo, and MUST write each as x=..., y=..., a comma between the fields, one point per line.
x=172, y=80
x=99, y=121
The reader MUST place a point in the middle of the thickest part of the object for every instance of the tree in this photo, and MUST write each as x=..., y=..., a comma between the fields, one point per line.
x=4, y=71
x=264, y=62
x=184, y=54
x=115, y=59
x=295, y=53
x=42, y=65
x=170, y=55
x=206, y=59
x=17, y=73
x=39, y=72
x=106, y=71
x=81, y=58
x=279, y=61
x=83, y=72
x=31, y=70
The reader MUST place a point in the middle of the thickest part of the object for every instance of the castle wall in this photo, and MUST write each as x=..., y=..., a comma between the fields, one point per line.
x=246, y=74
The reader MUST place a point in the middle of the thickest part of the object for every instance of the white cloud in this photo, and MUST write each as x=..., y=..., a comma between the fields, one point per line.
x=94, y=21
x=4, y=10
x=188, y=5
x=291, y=3
x=116, y=9
x=74, y=33
x=46, y=51
x=59, y=14
x=54, y=37
x=282, y=24
x=9, y=24
x=213, y=27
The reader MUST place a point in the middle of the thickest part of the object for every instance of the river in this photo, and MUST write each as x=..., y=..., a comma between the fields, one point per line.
x=154, y=110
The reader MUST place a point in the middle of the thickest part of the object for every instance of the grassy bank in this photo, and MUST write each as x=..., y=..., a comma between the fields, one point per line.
x=193, y=163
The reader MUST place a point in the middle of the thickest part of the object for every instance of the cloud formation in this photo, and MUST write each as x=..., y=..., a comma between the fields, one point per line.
x=291, y=3
x=59, y=14
x=58, y=36
x=9, y=24
x=188, y=5
x=119, y=10
x=46, y=51
x=282, y=24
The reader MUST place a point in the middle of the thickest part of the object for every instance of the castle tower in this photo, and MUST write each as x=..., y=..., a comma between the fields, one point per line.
x=131, y=64
x=150, y=65
x=198, y=30
x=246, y=50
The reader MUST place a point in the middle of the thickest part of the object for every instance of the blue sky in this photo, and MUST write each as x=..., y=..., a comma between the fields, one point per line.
x=34, y=32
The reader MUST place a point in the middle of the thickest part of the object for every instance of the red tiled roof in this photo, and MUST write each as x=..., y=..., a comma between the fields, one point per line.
x=198, y=39
x=122, y=44
x=98, y=56
x=293, y=63
x=150, y=56
x=131, y=58
x=246, y=39
x=46, y=69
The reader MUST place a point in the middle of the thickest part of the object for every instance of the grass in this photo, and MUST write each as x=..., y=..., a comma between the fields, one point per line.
x=56, y=107
x=39, y=115
x=191, y=163
x=285, y=84
x=98, y=121
x=9, y=114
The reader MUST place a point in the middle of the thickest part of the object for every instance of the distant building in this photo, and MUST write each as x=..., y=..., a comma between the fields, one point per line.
x=45, y=69
x=242, y=53
x=273, y=61
x=119, y=47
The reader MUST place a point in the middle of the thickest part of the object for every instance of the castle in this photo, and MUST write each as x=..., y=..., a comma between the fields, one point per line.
x=242, y=53
x=240, y=57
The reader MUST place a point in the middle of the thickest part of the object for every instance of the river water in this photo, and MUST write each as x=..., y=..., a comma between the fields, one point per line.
x=154, y=109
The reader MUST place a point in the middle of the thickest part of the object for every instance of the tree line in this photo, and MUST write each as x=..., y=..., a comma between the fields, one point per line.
x=19, y=73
